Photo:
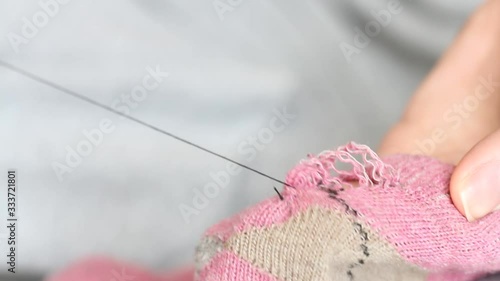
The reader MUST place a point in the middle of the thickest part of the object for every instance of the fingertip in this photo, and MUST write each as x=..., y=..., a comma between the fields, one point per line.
x=456, y=190
x=475, y=183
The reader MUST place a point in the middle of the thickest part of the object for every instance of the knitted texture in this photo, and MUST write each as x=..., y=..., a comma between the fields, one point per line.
x=389, y=220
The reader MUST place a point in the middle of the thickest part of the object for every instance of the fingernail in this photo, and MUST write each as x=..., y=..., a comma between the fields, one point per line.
x=482, y=193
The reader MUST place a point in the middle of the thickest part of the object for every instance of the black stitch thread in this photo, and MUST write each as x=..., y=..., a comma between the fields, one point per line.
x=279, y=194
x=361, y=231
x=357, y=227
x=125, y=115
x=365, y=250
x=333, y=194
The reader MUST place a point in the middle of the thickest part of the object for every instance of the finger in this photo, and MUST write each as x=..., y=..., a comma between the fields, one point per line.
x=456, y=105
x=475, y=184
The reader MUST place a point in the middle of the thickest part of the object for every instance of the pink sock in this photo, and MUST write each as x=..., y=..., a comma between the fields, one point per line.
x=399, y=224
x=104, y=269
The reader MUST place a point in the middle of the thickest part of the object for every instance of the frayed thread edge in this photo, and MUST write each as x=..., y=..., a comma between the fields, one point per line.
x=319, y=170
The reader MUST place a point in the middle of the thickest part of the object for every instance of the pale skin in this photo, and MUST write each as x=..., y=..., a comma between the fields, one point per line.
x=471, y=139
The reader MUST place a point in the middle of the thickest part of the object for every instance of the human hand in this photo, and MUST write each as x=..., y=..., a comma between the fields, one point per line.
x=455, y=115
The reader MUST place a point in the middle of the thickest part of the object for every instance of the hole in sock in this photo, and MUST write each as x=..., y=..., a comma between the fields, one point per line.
x=339, y=168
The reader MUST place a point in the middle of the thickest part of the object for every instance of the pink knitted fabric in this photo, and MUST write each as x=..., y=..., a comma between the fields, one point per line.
x=389, y=219
x=104, y=269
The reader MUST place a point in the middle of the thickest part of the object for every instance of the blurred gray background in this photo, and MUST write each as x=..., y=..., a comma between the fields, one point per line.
x=230, y=68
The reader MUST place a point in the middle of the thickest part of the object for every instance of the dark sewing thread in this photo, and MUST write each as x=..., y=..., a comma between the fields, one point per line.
x=279, y=194
x=358, y=228
x=133, y=119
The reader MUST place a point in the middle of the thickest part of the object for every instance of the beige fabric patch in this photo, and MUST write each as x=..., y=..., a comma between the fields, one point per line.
x=322, y=245
x=205, y=251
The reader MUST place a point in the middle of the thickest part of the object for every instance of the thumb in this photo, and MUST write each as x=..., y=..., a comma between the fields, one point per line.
x=475, y=183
